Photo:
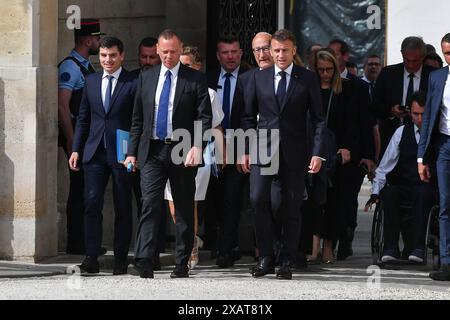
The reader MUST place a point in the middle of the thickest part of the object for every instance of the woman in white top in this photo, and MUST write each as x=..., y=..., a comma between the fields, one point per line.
x=192, y=58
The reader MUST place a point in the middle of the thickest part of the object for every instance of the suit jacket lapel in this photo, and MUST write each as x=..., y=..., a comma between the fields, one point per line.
x=423, y=80
x=119, y=85
x=98, y=90
x=181, y=83
x=399, y=89
x=152, y=81
x=291, y=87
x=442, y=83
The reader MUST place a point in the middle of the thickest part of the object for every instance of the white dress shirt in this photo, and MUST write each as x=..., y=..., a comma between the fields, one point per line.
x=417, y=77
x=162, y=79
x=444, y=125
x=390, y=159
x=233, y=82
x=105, y=82
x=278, y=77
x=344, y=74
x=216, y=107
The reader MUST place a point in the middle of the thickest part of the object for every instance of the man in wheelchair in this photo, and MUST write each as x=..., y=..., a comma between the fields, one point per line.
x=397, y=183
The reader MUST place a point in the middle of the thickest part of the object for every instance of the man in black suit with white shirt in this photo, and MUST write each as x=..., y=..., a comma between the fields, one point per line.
x=279, y=101
x=168, y=97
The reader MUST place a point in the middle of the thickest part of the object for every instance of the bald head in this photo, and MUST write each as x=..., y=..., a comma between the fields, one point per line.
x=261, y=49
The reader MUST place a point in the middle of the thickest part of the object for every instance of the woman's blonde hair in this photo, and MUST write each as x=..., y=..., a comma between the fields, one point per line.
x=194, y=53
x=327, y=54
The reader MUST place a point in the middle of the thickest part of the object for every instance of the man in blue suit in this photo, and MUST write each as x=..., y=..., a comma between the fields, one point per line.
x=434, y=146
x=107, y=105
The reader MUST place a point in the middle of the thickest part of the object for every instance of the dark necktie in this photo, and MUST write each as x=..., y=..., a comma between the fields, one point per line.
x=107, y=103
x=163, y=108
x=281, y=91
x=410, y=91
x=371, y=89
x=226, y=102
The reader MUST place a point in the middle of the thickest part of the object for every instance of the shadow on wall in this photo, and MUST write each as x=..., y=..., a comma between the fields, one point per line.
x=6, y=186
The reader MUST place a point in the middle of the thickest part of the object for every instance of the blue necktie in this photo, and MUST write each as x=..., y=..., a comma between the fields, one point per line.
x=281, y=91
x=163, y=109
x=226, y=101
x=107, y=103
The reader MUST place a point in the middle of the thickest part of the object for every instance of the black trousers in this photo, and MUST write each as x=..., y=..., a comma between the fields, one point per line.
x=97, y=173
x=292, y=188
x=341, y=208
x=230, y=189
x=75, y=210
x=421, y=197
x=154, y=175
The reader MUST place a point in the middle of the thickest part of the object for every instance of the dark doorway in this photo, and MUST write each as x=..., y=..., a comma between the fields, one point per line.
x=239, y=18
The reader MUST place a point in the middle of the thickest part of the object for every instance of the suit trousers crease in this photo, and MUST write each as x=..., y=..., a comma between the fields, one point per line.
x=97, y=173
x=154, y=175
x=443, y=168
x=292, y=184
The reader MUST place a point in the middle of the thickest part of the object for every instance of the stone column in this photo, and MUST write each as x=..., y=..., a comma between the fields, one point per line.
x=28, y=129
x=191, y=24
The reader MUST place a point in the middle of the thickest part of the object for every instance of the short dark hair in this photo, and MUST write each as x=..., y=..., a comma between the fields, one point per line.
x=430, y=48
x=351, y=65
x=109, y=42
x=446, y=38
x=344, y=46
x=420, y=97
x=414, y=43
x=228, y=40
x=284, y=35
x=371, y=56
x=434, y=56
x=148, y=42
x=168, y=34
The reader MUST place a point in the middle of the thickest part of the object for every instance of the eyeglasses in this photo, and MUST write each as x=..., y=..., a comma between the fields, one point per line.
x=327, y=70
x=261, y=49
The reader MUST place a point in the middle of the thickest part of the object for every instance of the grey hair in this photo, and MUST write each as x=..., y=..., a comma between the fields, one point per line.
x=414, y=43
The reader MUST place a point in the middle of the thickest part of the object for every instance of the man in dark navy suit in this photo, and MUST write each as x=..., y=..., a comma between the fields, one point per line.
x=107, y=105
x=226, y=192
x=278, y=102
x=435, y=142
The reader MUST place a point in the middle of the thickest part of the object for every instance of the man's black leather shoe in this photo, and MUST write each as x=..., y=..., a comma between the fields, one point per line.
x=284, y=273
x=90, y=265
x=144, y=268
x=225, y=261
x=120, y=266
x=180, y=272
x=263, y=267
x=443, y=274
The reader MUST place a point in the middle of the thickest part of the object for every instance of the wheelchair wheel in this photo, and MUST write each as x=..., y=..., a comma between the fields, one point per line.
x=377, y=240
x=432, y=239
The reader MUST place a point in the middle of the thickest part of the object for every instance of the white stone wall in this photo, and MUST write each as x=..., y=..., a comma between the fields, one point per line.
x=28, y=128
x=427, y=19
